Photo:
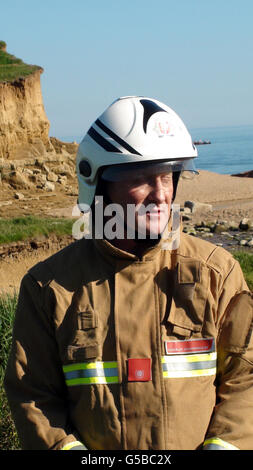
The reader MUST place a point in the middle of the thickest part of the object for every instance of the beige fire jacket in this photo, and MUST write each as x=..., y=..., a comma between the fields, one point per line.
x=117, y=352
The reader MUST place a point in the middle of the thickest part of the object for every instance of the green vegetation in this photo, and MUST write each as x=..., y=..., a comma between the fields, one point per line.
x=15, y=229
x=22, y=228
x=12, y=68
x=8, y=439
x=3, y=45
x=246, y=262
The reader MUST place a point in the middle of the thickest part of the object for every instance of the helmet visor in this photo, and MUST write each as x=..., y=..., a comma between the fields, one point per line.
x=129, y=171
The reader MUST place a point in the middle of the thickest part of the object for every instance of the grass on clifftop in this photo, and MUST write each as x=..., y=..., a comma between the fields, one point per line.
x=12, y=68
x=23, y=228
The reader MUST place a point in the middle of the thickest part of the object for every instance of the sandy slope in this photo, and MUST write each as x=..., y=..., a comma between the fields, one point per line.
x=213, y=188
x=230, y=196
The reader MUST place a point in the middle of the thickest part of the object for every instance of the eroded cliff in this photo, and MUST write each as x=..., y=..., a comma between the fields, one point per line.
x=24, y=126
x=34, y=168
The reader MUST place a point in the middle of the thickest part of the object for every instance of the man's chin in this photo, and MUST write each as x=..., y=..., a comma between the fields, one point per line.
x=151, y=232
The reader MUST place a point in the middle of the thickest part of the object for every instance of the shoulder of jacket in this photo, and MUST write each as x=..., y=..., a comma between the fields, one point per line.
x=212, y=255
x=59, y=265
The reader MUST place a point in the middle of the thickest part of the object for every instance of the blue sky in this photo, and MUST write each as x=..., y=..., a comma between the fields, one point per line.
x=194, y=55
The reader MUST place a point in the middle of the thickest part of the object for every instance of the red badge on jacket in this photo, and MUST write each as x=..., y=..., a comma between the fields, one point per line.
x=139, y=370
x=190, y=346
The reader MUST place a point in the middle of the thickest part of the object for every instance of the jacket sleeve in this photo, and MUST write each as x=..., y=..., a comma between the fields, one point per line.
x=34, y=381
x=231, y=427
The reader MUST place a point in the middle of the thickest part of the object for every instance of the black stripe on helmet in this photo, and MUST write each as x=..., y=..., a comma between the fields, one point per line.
x=102, y=141
x=116, y=137
x=150, y=108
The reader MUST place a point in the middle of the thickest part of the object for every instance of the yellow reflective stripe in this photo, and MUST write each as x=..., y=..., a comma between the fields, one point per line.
x=189, y=358
x=189, y=373
x=190, y=365
x=70, y=445
x=92, y=380
x=217, y=442
x=89, y=365
x=173, y=366
x=87, y=373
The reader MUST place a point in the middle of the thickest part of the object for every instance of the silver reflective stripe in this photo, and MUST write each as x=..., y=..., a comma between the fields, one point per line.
x=214, y=447
x=75, y=374
x=215, y=443
x=173, y=366
x=91, y=373
x=75, y=445
x=189, y=365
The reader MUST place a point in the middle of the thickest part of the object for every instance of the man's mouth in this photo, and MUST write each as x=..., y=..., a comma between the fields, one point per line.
x=155, y=212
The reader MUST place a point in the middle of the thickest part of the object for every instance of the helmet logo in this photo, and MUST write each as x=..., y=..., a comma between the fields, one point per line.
x=163, y=127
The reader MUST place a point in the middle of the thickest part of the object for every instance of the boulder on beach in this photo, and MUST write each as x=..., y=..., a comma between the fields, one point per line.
x=195, y=206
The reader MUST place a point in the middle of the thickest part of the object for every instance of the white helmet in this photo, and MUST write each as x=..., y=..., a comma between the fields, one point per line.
x=133, y=129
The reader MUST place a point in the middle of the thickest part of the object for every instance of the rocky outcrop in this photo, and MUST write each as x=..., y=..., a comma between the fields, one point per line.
x=24, y=127
x=54, y=169
x=195, y=206
x=202, y=142
x=229, y=234
x=245, y=174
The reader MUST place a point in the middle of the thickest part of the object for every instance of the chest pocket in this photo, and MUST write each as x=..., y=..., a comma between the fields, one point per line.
x=190, y=287
x=85, y=342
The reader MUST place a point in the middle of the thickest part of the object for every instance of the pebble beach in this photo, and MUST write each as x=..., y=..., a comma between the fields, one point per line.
x=218, y=207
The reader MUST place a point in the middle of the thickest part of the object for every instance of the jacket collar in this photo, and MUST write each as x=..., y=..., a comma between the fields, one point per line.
x=114, y=254
x=107, y=249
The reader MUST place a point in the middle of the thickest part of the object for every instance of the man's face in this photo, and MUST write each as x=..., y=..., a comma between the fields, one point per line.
x=151, y=196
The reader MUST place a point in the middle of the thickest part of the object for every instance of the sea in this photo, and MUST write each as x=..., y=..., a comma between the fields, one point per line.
x=230, y=150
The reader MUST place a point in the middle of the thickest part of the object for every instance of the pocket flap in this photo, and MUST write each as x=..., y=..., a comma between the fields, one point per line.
x=80, y=353
x=87, y=319
x=189, y=297
x=183, y=321
x=189, y=272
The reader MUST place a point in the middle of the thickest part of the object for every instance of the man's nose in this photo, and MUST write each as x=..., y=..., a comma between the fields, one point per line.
x=157, y=192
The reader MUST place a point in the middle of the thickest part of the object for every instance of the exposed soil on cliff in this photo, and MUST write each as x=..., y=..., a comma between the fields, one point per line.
x=17, y=258
x=34, y=185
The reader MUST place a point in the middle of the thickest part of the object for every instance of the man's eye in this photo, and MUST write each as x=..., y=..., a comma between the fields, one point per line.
x=166, y=179
x=137, y=181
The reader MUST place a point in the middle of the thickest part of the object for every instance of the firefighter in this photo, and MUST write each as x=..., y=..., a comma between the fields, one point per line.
x=140, y=340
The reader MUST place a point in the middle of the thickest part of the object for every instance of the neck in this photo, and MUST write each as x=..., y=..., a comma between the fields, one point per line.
x=136, y=247
x=132, y=245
